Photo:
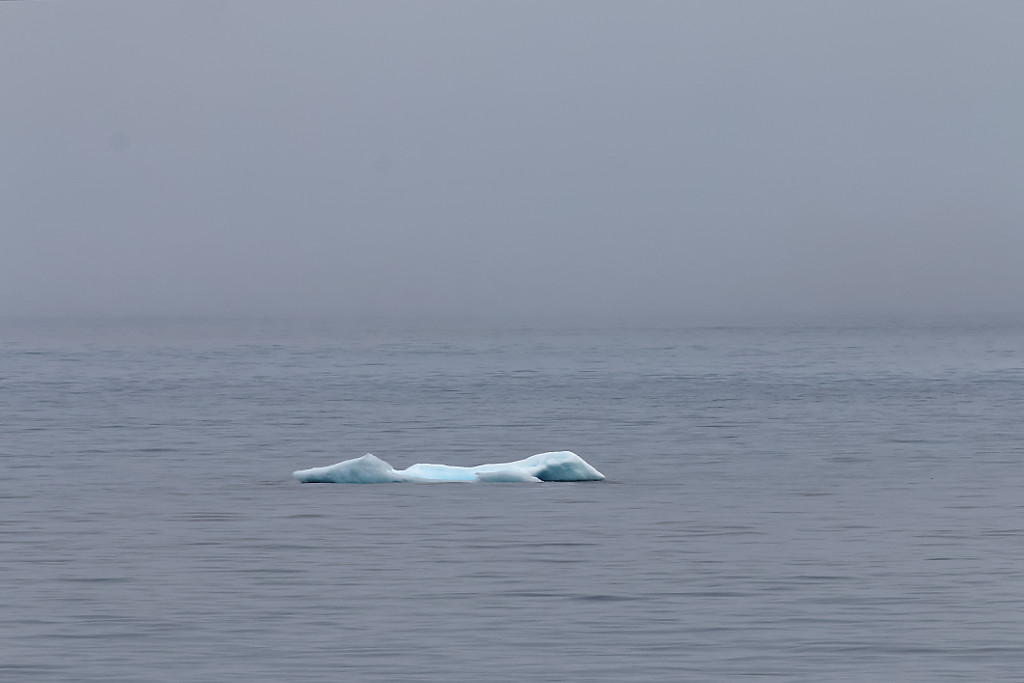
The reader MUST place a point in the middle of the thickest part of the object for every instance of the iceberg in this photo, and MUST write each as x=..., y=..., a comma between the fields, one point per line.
x=369, y=469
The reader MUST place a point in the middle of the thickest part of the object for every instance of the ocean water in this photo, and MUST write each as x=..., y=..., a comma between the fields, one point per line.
x=838, y=502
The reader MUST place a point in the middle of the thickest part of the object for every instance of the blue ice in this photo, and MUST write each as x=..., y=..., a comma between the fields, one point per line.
x=369, y=469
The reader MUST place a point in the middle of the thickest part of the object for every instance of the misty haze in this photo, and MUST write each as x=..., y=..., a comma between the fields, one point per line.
x=613, y=161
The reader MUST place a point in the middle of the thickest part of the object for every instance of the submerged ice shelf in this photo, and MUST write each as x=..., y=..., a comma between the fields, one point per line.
x=369, y=469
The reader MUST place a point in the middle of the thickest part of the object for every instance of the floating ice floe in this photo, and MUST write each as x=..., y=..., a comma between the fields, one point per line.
x=369, y=469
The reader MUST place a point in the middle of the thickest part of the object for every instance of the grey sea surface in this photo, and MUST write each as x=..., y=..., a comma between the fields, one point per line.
x=836, y=502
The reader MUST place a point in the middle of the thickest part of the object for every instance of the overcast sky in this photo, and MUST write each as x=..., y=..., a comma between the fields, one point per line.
x=510, y=159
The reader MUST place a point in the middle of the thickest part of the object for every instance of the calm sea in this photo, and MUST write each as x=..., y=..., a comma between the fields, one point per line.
x=789, y=503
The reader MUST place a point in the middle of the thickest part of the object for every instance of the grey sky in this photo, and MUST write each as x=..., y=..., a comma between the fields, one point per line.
x=511, y=158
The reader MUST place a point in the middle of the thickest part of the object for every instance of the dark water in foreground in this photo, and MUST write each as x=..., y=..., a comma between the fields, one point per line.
x=790, y=504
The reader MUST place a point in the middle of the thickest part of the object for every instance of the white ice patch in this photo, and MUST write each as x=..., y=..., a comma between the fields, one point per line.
x=369, y=469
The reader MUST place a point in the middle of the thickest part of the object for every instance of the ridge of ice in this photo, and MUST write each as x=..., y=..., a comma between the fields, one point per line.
x=369, y=469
